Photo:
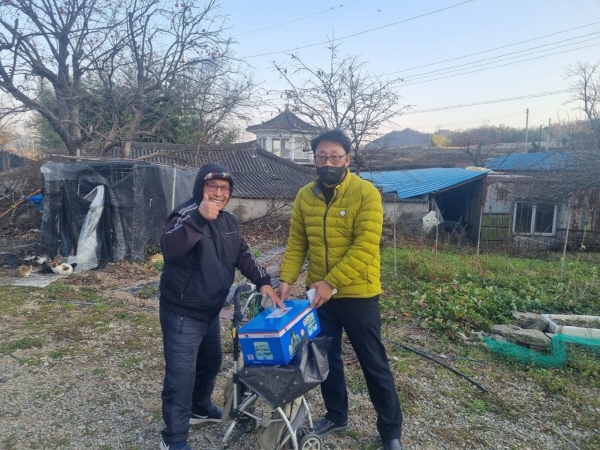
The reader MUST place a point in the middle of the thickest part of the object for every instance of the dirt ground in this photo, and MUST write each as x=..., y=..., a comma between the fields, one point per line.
x=122, y=282
x=91, y=377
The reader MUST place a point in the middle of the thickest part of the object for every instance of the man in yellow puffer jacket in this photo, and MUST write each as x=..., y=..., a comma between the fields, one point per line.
x=337, y=222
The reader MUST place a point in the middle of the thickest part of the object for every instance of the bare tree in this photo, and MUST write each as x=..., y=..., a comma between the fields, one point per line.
x=7, y=132
x=207, y=104
x=44, y=43
x=342, y=95
x=107, y=64
x=476, y=143
x=585, y=92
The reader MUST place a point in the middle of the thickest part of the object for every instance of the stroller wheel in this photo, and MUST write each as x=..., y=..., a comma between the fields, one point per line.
x=246, y=424
x=310, y=442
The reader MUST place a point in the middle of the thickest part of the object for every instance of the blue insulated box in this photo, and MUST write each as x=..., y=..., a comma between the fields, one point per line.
x=274, y=335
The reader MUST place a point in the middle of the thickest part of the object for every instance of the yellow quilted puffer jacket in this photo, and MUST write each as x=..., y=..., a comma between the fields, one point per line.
x=341, y=239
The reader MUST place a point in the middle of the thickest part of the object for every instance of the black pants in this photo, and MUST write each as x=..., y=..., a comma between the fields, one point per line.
x=192, y=361
x=361, y=320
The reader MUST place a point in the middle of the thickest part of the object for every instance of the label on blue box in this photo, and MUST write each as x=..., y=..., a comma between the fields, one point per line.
x=273, y=337
x=278, y=313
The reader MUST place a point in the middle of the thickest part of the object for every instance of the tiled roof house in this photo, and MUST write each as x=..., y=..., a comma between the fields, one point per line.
x=286, y=135
x=258, y=174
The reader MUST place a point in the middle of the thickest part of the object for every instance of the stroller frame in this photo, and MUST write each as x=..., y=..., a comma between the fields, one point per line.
x=244, y=399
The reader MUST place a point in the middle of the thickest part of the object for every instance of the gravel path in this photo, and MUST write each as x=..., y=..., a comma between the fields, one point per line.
x=89, y=377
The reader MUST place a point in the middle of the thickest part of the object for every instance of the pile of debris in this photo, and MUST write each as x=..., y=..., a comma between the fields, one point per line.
x=542, y=338
x=533, y=332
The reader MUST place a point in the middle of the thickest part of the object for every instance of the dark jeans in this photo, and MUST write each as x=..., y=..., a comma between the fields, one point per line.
x=361, y=320
x=192, y=350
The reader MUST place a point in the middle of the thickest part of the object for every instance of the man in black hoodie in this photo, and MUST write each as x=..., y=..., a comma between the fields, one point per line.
x=202, y=246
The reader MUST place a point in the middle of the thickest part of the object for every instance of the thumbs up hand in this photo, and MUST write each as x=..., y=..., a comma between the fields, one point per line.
x=209, y=210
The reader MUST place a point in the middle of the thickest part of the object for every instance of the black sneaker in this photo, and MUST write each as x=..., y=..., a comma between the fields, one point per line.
x=176, y=446
x=324, y=427
x=214, y=415
x=392, y=444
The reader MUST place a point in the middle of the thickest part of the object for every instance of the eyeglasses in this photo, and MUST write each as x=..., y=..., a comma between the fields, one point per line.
x=333, y=158
x=214, y=187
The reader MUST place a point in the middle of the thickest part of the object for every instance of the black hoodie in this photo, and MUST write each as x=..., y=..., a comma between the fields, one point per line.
x=200, y=256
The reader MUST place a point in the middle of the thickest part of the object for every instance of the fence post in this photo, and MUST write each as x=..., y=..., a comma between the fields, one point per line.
x=562, y=262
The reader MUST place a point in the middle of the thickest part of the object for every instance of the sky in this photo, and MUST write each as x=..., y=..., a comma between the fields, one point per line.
x=481, y=53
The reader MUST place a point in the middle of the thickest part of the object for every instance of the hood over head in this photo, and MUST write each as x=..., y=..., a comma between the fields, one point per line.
x=211, y=172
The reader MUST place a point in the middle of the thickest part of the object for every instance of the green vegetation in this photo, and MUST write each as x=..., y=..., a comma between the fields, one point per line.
x=452, y=293
x=20, y=344
x=148, y=290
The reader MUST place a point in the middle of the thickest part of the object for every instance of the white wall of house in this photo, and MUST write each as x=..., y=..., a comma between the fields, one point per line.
x=249, y=209
x=407, y=214
x=548, y=222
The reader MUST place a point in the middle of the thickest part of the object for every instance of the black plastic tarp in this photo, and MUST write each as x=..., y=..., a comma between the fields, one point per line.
x=279, y=385
x=138, y=196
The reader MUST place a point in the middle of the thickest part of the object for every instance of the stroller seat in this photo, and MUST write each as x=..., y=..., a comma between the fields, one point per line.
x=282, y=388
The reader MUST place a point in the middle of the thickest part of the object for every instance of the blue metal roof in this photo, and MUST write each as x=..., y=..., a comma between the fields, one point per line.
x=412, y=183
x=551, y=160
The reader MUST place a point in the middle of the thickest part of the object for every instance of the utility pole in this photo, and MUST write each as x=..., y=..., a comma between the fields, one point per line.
x=526, y=127
x=548, y=138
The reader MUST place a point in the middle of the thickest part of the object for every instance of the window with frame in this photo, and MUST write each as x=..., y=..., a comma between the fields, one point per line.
x=281, y=147
x=538, y=218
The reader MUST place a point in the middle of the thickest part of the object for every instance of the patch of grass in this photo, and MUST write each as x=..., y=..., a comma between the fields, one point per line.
x=91, y=294
x=42, y=395
x=98, y=371
x=130, y=363
x=147, y=292
x=156, y=415
x=158, y=265
x=32, y=361
x=59, y=442
x=101, y=308
x=458, y=292
x=132, y=344
x=57, y=354
x=59, y=291
x=475, y=405
x=21, y=344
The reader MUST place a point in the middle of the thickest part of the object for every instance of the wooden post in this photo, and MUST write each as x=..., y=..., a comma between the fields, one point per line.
x=562, y=262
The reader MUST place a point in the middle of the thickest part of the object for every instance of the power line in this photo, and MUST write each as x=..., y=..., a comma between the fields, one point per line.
x=487, y=102
x=493, y=49
x=472, y=122
x=464, y=66
x=360, y=32
x=501, y=65
x=298, y=19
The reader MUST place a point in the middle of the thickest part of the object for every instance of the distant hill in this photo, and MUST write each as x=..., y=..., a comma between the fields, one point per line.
x=404, y=138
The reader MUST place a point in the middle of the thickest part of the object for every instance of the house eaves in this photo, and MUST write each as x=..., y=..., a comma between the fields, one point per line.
x=528, y=162
x=258, y=174
x=412, y=183
x=285, y=120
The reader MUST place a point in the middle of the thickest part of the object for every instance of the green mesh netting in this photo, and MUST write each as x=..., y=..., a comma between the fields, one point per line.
x=555, y=358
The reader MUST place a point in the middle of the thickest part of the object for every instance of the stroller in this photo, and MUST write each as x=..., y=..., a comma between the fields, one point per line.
x=282, y=388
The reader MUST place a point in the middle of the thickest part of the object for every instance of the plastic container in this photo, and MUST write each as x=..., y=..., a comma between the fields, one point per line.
x=274, y=335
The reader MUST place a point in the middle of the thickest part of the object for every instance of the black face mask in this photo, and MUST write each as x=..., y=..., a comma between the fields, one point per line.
x=331, y=175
